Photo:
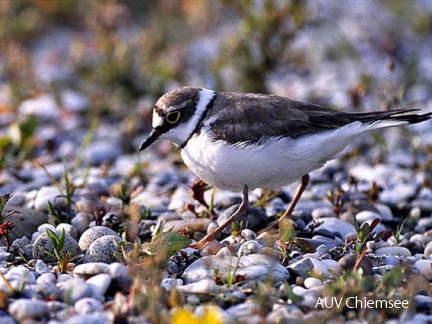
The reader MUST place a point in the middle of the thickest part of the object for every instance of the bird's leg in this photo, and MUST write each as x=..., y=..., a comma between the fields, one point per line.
x=304, y=183
x=211, y=236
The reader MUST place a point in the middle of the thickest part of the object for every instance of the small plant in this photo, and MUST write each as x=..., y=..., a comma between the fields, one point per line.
x=59, y=216
x=5, y=227
x=232, y=277
x=364, y=235
x=338, y=199
x=288, y=242
x=16, y=292
x=62, y=256
x=163, y=245
x=398, y=234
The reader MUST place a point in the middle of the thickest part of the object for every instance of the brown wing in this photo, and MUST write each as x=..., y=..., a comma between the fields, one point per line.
x=252, y=117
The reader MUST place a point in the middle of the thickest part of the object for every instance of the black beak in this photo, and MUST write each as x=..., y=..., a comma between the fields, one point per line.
x=154, y=135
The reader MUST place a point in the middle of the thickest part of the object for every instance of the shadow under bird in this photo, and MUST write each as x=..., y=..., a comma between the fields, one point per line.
x=243, y=141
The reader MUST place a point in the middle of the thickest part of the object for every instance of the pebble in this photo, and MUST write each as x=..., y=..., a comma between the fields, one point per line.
x=102, y=151
x=198, y=224
x=43, y=106
x=102, y=250
x=74, y=289
x=49, y=194
x=251, y=267
x=425, y=268
x=91, y=269
x=98, y=318
x=204, y=286
x=99, y=284
x=336, y=225
x=81, y=222
x=25, y=221
x=253, y=219
x=92, y=234
x=308, y=265
x=249, y=247
x=311, y=282
x=88, y=306
x=43, y=244
x=24, y=310
x=393, y=250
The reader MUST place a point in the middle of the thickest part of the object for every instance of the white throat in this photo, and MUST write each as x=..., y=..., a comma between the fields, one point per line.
x=180, y=134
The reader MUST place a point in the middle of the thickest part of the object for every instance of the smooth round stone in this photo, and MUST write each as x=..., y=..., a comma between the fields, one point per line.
x=384, y=211
x=81, y=222
x=46, y=278
x=197, y=224
x=428, y=249
x=348, y=262
x=18, y=273
x=42, y=229
x=92, y=234
x=118, y=271
x=48, y=194
x=367, y=215
x=91, y=269
x=253, y=219
x=421, y=238
x=102, y=151
x=336, y=225
x=401, y=192
x=99, y=318
x=25, y=221
x=311, y=282
x=29, y=310
x=204, y=286
x=249, y=247
x=102, y=250
x=169, y=283
x=392, y=260
x=88, y=306
x=252, y=267
x=248, y=234
x=43, y=106
x=321, y=212
x=74, y=289
x=68, y=228
x=99, y=284
x=43, y=244
x=73, y=101
x=47, y=291
x=41, y=267
x=425, y=268
x=305, y=266
x=393, y=250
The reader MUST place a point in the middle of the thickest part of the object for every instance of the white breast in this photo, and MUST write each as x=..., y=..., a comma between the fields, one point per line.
x=272, y=164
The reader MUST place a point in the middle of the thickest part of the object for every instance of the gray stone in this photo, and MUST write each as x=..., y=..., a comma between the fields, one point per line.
x=25, y=221
x=99, y=285
x=43, y=244
x=250, y=267
x=48, y=194
x=92, y=234
x=74, y=289
x=29, y=310
x=88, y=306
x=90, y=269
x=253, y=218
x=393, y=250
x=102, y=250
x=100, y=318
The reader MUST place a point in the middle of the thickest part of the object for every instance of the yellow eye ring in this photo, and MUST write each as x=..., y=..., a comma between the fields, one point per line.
x=173, y=117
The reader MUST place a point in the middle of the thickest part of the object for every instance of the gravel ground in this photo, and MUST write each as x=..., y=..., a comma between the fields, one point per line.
x=113, y=258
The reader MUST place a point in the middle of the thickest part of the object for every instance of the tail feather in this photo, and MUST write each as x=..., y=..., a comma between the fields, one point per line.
x=399, y=115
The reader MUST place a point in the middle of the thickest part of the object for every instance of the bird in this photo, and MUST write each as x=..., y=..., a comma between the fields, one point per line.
x=242, y=141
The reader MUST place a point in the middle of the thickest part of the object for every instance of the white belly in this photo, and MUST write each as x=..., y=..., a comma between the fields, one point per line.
x=272, y=164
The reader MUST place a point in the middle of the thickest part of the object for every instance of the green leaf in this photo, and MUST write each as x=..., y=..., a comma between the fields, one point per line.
x=53, y=238
x=61, y=240
x=391, y=279
x=291, y=295
x=286, y=230
x=168, y=242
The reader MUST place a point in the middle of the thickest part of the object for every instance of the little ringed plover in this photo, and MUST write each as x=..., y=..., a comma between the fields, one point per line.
x=243, y=141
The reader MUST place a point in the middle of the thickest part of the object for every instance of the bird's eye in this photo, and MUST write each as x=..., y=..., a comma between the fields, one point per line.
x=173, y=117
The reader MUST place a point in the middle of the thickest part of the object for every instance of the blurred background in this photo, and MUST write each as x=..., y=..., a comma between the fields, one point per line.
x=68, y=65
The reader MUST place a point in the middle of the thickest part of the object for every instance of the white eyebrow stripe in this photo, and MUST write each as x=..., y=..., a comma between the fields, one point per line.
x=157, y=120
